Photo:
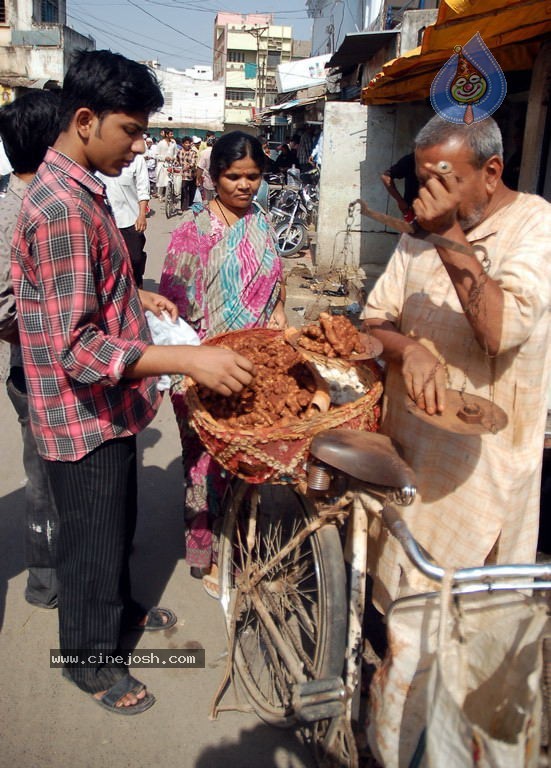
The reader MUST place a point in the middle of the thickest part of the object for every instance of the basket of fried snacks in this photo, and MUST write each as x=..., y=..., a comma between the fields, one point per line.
x=263, y=433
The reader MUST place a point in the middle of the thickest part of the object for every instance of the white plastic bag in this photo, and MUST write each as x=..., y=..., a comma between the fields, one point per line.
x=165, y=331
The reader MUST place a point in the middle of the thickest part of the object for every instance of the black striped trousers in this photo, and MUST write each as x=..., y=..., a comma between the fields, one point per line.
x=96, y=499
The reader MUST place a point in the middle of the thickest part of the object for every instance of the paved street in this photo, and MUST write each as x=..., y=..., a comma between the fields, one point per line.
x=46, y=721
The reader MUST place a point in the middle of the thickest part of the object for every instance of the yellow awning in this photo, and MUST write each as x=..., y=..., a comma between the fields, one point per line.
x=512, y=30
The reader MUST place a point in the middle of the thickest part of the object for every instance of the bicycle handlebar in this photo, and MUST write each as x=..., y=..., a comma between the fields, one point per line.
x=398, y=527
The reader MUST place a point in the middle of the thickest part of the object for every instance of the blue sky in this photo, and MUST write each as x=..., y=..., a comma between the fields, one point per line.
x=178, y=33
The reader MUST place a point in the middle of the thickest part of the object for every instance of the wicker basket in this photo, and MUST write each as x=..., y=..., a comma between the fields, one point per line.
x=273, y=454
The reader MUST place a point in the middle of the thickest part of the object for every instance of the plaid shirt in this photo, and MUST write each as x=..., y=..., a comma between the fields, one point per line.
x=81, y=321
x=188, y=159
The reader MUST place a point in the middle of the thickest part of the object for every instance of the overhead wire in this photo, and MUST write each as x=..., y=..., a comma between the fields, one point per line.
x=139, y=45
x=176, y=5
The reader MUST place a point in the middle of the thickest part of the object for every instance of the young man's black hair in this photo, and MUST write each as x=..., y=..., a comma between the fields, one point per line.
x=108, y=82
x=28, y=126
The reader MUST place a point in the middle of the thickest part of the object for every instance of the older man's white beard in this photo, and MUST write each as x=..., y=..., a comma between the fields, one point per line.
x=474, y=218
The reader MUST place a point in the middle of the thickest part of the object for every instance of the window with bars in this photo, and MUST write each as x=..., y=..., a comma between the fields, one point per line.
x=237, y=56
x=49, y=11
x=3, y=14
x=239, y=94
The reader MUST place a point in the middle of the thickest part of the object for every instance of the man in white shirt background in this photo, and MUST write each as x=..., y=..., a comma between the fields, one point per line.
x=150, y=157
x=5, y=170
x=129, y=196
x=167, y=149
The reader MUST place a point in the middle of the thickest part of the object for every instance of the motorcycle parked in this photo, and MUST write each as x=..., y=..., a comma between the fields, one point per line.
x=293, y=209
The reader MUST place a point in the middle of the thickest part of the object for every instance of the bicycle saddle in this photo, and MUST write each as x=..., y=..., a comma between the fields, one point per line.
x=366, y=456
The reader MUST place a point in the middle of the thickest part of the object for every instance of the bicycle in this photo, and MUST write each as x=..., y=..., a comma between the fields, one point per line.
x=292, y=567
x=173, y=189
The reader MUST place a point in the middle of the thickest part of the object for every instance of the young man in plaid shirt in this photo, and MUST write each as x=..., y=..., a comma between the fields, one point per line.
x=188, y=160
x=89, y=363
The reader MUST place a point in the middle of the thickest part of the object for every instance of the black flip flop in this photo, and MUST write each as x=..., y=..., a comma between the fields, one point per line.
x=127, y=684
x=154, y=621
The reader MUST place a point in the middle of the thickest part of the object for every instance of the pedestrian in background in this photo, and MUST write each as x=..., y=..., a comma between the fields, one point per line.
x=28, y=126
x=188, y=161
x=129, y=197
x=204, y=180
x=404, y=169
x=150, y=157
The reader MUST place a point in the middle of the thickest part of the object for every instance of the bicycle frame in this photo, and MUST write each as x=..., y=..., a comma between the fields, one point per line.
x=337, y=699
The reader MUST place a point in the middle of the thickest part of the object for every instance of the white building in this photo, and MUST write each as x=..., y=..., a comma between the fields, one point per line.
x=247, y=51
x=35, y=45
x=193, y=100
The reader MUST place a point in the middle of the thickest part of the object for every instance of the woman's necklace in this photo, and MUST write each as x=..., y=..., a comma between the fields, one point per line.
x=222, y=212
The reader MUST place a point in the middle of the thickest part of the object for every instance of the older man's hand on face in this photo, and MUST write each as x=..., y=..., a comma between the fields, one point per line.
x=436, y=207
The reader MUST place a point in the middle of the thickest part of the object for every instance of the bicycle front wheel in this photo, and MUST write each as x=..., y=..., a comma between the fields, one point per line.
x=170, y=201
x=286, y=594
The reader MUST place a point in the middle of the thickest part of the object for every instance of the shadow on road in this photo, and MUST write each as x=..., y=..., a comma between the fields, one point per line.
x=12, y=509
x=159, y=540
x=263, y=745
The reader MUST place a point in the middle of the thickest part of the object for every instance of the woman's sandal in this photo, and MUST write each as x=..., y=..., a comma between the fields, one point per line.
x=127, y=684
x=210, y=583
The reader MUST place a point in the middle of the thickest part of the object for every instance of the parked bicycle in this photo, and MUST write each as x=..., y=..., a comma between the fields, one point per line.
x=293, y=585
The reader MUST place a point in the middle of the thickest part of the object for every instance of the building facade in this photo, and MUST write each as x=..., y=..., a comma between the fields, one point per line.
x=194, y=102
x=247, y=51
x=35, y=45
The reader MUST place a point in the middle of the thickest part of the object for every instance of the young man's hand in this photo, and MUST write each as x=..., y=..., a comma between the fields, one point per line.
x=222, y=370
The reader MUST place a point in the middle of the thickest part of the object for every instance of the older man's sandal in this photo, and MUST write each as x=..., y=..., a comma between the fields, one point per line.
x=127, y=684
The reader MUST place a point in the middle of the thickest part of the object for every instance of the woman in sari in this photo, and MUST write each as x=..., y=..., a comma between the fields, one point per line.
x=223, y=272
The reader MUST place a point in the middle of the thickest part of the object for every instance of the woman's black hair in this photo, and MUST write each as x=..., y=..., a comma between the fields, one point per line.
x=232, y=147
x=107, y=82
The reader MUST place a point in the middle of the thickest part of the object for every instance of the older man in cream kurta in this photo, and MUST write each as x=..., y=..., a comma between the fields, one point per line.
x=478, y=496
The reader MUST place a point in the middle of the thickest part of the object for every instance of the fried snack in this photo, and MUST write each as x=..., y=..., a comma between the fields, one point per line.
x=280, y=392
x=335, y=336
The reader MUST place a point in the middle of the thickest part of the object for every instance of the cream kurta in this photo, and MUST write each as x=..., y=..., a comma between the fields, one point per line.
x=473, y=492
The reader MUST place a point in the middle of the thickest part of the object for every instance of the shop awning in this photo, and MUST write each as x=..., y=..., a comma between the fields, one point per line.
x=292, y=104
x=358, y=47
x=512, y=30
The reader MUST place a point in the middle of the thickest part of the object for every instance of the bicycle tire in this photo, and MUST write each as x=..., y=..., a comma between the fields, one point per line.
x=170, y=201
x=290, y=239
x=305, y=592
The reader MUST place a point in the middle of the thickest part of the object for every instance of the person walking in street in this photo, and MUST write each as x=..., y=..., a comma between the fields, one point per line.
x=204, y=181
x=91, y=368
x=28, y=126
x=166, y=153
x=223, y=272
x=188, y=161
x=129, y=197
x=150, y=157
